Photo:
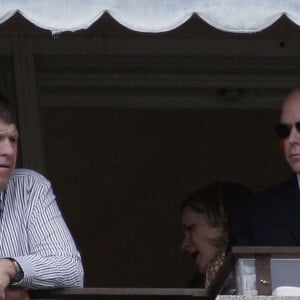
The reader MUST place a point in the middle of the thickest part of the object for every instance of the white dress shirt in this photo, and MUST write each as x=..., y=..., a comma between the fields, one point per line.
x=33, y=232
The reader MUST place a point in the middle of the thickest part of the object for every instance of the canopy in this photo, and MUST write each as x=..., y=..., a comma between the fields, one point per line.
x=152, y=15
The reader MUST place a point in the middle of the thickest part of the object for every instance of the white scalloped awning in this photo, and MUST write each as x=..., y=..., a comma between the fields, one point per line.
x=152, y=15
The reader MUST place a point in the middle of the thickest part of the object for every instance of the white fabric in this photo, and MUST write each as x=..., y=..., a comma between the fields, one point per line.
x=152, y=15
x=287, y=291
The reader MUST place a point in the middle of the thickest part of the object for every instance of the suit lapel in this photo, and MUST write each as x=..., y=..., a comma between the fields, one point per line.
x=289, y=206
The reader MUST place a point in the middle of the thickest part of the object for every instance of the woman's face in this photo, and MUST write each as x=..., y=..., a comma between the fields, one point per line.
x=199, y=238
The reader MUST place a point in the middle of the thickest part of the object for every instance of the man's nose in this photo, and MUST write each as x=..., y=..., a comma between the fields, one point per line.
x=7, y=147
x=294, y=136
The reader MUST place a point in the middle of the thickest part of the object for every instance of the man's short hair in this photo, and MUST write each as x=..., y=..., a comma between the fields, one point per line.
x=7, y=112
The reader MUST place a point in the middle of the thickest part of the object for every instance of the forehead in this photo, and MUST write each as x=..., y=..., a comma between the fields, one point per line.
x=189, y=215
x=290, y=112
x=8, y=128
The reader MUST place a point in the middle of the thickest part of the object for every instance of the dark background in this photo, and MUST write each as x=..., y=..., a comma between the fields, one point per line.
x=121, y=174
x=131, y=123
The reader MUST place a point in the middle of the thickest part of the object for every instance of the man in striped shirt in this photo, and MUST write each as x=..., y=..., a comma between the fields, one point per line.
x=36, y=248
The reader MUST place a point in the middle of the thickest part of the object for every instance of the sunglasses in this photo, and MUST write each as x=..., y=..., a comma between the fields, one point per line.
x=284, y=130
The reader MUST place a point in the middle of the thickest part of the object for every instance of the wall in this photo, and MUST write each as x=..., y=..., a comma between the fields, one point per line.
x=121, y=174
x=127, y=124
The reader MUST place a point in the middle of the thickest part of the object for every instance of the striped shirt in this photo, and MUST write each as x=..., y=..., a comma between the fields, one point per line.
x=33, y=232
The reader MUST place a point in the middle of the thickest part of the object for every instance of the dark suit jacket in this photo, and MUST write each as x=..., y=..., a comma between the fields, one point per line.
x=268, y=218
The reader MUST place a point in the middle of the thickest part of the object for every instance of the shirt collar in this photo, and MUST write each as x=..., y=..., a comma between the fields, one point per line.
x=298, y=179
x=2, y=197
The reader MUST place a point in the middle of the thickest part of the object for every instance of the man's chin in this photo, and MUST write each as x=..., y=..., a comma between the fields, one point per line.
x=3, y=182
x=295, y=167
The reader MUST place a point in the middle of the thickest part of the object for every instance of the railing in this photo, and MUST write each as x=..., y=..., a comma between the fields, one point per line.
x=96, y=293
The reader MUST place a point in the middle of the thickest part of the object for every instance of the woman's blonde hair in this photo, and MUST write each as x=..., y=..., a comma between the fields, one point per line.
x=213, y=201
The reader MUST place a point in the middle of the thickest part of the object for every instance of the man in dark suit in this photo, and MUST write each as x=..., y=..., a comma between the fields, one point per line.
x=272, y=217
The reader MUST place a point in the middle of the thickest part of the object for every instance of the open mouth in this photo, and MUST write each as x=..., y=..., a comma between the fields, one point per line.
x=4, y=166
x=194, y=254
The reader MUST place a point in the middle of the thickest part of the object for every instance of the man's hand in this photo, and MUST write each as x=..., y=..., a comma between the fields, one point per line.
x=7, y=273
x=17, y=294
